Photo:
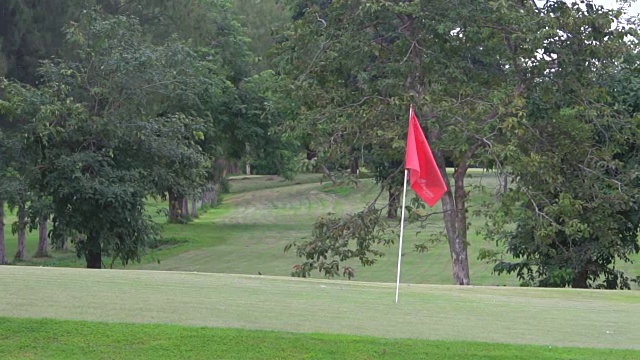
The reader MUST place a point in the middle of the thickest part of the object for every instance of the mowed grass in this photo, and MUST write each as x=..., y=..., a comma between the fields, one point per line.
x=196, y=237
x=550, y=317
x=64, y=340
x=248, y=232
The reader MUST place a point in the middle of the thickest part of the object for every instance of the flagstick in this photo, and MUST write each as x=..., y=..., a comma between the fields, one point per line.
x=404, y=197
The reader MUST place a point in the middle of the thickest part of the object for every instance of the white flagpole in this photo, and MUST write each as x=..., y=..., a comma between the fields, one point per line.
x=404, y=197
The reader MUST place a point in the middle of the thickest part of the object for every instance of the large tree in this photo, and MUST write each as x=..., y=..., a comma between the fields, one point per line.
x=105, y=133
x=360, y=65
x=572, y=214
x=467, y=66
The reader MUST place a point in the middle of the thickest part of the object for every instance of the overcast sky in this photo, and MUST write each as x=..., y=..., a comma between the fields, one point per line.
x=633, y=10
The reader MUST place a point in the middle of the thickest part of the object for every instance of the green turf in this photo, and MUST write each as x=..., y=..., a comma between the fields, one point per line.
x=79, y=340
x=247, y=234
x=242, y=183
x=552, y=317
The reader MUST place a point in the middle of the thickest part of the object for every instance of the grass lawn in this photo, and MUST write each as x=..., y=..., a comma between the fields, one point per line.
x=248, y=232
x=114, y=341
x=550, y=317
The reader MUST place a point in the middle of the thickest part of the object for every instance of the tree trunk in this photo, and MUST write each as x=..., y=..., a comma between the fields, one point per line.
x=194, y=208
x=22, y=233
x=42, y=238
x=455, y=222
x=175, y=208
x=311, y=154
x=248, y=168
x=93, y=253
x=355, y=168
x=213, y=196
x=580, y=278
x=3, y=255
x=235, y=169
x=61, y=244
x=392, y=205
x=329, y=175
x=185, y=207
x=503, y=184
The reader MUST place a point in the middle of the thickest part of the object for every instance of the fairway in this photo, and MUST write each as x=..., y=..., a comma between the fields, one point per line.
x=552, y=317
x=65, y=340
x=248, y=233
x=200, y=179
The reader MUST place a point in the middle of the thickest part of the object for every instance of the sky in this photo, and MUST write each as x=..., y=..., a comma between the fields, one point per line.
x=633, y=10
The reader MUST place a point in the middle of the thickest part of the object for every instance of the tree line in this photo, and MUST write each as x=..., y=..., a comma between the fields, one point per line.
x=106, y=103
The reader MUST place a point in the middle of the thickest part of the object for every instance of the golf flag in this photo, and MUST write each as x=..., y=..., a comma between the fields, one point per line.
x=426, y=180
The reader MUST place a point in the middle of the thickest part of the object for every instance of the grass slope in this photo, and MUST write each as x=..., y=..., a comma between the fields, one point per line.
x=552, y=317
x=247, y=234
x=77, y=340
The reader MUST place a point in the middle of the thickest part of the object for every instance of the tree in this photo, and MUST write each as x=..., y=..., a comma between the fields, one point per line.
x=469, y=68
x=15, y=191
x=207, y=24
x=3, y=255
x=572, y=214
x=106, y=135
x=360, y=65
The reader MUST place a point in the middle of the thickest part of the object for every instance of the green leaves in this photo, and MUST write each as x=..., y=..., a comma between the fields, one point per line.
x=524, y=89
x=107, y=128
x=338, y=239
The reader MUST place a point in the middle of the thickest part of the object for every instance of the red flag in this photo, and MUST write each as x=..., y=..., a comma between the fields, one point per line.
x=426, y=180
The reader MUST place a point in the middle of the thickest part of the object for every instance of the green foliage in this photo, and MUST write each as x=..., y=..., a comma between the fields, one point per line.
x=104, y=137
x=572, y=214
x=31, y=31
x=261, y=19
x=495, y=84
x=253, y=132
x=340, y=238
